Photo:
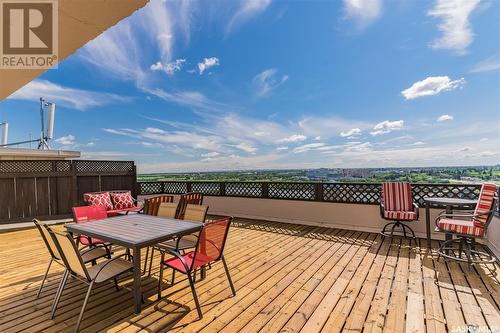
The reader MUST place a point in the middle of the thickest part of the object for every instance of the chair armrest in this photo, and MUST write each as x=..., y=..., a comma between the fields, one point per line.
x=416, y=209
x=382, y=208
x=108, y=262
x=175, y=254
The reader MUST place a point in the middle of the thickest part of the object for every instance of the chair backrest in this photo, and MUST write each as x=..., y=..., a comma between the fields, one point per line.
x=193, y=198
x=84, y=214
x=485, y=203
x=167, y=210
x=195, y=213
x=69, y=253
x=212, y=240
x=151, y=205
x=88, y=213
x=43, y=228
x=397, y=196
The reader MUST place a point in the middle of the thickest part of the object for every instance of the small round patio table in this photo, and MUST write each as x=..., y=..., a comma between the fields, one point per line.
x=449, y=204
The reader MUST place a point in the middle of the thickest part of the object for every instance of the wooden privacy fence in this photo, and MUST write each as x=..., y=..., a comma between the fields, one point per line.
x=48, y=189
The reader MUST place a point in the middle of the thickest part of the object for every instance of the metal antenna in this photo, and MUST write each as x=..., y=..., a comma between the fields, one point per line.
x=44, y=137
x=43, y=140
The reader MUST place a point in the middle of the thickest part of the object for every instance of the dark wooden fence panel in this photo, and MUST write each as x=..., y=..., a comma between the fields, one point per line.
x=48, y=189
x=86, y=184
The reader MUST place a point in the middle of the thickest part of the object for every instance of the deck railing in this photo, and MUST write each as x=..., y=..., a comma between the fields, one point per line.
x=354, y=193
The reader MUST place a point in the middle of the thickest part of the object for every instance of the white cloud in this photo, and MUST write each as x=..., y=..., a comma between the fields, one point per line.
x=210, y=154
x=358, y=146
x=387, y=126
x=351, y=132
x=363, y=12
x=152, y=144
x=266, y=81
x=66, y=140
x=207, y=63
x=329, y=127
x=246, y=147
x=282, y=148
x=68, y=97
x=317, y=138
x=433, y=85
x=247, y=10
x=193, y=99
x=294, y=138
x=488, y=65
x=455, y=27
x=445, y=117
x=116, y=52
x=170, y=68
x=308, y=147
x=418, y=143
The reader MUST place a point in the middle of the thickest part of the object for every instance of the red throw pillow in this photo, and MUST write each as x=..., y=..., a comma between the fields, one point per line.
x=99, y=199
x=122, y=200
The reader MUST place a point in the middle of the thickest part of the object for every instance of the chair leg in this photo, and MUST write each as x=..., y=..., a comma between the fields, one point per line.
x=160, y=278
x=116, y=284
x=468, y=255
x=173, y=276
x=191, y=284
x=392, y=229
x=146, y=261
x=228, y=276
x=59, y=293
x=80, y=317
x=44, y=278
x=151, y=260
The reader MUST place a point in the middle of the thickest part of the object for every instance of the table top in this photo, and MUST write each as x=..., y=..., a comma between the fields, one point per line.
x=450, y=201
x=135, y=230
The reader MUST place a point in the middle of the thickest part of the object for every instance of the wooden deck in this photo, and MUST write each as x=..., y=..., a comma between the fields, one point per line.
x=288, y=278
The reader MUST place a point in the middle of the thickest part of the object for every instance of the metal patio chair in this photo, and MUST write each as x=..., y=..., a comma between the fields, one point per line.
x=152, y=204
x=88, y=255
x=191, y=198
x=84, y=214
x=102, y=272
x=468, y=226
x=166, y=210
x=193, y=213
x=209, y=250
x=397, y=206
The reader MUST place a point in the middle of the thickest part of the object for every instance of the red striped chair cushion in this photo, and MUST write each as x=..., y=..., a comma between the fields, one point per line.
x=484, y=203
x=397, y=196
x=399, y=216
x=461, y=227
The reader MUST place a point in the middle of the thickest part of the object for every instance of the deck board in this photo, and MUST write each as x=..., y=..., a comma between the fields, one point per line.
x=289, y=278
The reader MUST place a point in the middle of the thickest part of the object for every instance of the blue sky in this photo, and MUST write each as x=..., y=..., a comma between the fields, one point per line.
x=216, y=85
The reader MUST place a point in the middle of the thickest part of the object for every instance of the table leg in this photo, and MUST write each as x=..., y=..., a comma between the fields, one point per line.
x=137, y=280
x=428, y=224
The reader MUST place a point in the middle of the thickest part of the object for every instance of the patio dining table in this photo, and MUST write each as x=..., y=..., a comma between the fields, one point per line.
x=135, y=232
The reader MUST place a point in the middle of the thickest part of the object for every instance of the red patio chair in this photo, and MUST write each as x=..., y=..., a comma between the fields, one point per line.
x=397, y=206
x=84, y=214
x=468, y=226
x=191, y=198
x=209, y=249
